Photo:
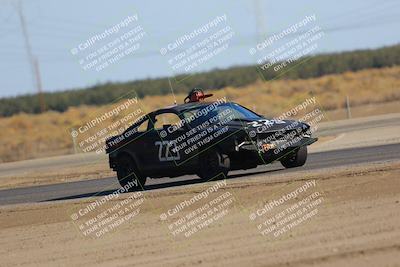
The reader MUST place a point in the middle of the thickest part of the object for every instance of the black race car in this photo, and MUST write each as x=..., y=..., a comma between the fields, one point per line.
x=204, y=138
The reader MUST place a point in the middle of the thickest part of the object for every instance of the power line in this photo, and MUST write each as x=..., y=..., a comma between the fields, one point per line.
x=364, y=22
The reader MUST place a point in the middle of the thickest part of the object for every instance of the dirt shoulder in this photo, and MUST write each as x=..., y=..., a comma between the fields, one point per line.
x=357, y=223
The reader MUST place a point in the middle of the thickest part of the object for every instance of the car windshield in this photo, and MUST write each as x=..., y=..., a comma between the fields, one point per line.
x=233, y=110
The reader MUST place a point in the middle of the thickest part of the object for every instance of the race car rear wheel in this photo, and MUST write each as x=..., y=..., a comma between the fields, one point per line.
x=213, y=165
x=297, y=159
x=128, y=175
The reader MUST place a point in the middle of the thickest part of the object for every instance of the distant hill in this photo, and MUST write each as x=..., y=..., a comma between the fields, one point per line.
x=315, y=66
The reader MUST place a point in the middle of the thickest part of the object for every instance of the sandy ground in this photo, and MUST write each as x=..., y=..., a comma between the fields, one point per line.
x=357, y=224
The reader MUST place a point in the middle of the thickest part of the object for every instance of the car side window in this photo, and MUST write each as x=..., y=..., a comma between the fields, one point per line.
x=143, y=126
x=165, y=119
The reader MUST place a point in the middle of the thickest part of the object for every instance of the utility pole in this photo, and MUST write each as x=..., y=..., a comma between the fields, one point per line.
x=260, y=22
x=32, y=59
x=39, y=85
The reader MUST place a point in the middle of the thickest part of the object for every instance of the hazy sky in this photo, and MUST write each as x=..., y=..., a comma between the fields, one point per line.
x=55, y=27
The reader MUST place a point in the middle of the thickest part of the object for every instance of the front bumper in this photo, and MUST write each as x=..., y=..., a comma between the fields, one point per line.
x=274, y=150
x=264, y=146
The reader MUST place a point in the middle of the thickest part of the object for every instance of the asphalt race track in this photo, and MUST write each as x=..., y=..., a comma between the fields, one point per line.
x=82, y=189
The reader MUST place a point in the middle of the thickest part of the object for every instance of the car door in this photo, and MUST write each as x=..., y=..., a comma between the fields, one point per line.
x=159, y=152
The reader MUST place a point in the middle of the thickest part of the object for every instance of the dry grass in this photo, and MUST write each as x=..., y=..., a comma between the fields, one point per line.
x=29, y=136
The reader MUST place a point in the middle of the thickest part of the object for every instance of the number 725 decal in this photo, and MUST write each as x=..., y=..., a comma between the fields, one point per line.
x=166, y=151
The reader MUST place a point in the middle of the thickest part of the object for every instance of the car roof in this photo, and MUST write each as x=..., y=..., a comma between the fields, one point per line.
x=183, y=107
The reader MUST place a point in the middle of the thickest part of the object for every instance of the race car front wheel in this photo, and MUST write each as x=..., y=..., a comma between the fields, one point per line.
x=128, y=175
x=213, y=165
x=296, y=159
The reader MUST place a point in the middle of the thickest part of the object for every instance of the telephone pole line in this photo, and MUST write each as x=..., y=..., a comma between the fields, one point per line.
x=33, y=62
x=260, y=22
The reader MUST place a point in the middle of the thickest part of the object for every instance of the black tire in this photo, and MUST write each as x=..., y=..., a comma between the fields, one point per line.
x=128, y=174
x=213, y=165
x=297, y=159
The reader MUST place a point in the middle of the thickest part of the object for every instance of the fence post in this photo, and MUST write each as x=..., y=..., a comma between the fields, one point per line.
x=348, y=107
x=74, y=135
